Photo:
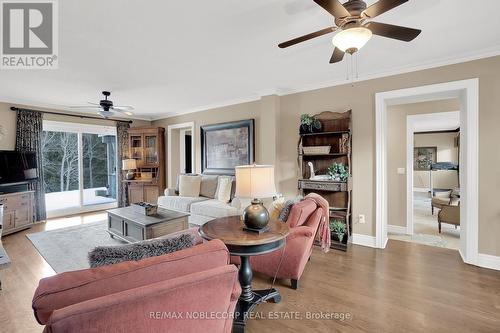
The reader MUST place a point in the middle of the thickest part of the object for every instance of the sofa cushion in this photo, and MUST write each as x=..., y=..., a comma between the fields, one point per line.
x=177, y=181
x=208, y=186
x=224, y=186
x=182, y=204
x=189, y=186
x=213, y=208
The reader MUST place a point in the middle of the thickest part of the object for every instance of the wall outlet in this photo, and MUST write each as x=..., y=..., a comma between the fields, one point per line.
x=361, y=219
x=401, y=171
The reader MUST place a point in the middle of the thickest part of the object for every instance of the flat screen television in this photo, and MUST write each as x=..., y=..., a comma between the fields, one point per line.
x=17, y=166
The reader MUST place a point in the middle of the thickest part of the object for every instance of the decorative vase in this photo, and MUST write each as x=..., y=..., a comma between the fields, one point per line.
x=304, y=129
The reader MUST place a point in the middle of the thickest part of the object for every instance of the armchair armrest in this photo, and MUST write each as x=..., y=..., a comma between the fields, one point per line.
x=170, y=192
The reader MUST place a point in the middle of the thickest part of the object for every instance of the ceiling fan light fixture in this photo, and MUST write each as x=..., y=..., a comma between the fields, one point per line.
x=352, y=39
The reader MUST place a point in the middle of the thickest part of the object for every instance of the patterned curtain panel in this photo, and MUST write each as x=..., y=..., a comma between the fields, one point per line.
x=122, y=152
x=28, y=138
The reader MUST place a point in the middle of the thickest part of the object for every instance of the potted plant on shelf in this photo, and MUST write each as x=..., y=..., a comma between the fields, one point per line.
x=338, y=230
x=309, y=124
x=338, y=172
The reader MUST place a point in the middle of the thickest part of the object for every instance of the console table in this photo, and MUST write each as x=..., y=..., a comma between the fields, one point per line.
x=246, y=244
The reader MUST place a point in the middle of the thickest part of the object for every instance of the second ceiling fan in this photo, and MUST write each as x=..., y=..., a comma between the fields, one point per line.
x=354, y=28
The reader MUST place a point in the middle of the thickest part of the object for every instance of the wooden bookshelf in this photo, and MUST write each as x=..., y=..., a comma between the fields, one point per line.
x=337, y=133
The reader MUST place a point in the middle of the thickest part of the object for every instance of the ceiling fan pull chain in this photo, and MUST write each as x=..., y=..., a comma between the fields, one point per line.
x=357, y=71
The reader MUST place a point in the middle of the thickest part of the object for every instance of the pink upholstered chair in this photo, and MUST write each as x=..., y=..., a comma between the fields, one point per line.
x=143, y=296
x=303, y=221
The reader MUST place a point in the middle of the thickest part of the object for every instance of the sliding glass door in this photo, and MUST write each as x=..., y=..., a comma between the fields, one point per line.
x=79, y=167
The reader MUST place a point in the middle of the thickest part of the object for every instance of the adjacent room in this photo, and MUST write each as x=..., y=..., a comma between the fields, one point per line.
x=424, y=139
x=249, y=166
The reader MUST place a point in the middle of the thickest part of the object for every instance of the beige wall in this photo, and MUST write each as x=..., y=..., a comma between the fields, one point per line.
x=446, y=152
x=361, y=99
x=396, y=152
x=264, y=111
x=8, y=123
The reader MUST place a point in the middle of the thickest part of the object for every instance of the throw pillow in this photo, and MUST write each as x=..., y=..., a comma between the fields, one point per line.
x=276, y=208
x=208, y=187
x=224, y=185
x=285, y=212
x=177, y=181
x=189, y=186
x=109, y=255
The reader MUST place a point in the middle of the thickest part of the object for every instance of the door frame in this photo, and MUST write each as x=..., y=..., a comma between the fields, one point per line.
x=182, y=126
x=468, y=93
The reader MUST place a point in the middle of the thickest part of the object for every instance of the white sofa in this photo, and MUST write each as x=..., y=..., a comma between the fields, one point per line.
x=204, y=207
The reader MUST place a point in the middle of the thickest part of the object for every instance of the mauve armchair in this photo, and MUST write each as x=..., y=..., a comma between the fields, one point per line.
x=167, y=293
x=304, y=220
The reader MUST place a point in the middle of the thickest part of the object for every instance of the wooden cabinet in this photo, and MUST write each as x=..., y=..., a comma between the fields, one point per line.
x=147, y=147
x=18, y=211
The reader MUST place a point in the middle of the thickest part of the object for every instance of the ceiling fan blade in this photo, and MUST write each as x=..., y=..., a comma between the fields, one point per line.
x=306, y=37
x=334, y=7
x=381, y=7
x=125, y=111
x=124, y=107
x=393, y=31
x=337, y=56
x=88, y=107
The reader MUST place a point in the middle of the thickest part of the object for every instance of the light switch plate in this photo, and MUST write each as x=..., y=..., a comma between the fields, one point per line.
x=401, y=171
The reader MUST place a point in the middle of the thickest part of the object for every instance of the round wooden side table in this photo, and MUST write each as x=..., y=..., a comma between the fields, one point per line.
x=245, y=244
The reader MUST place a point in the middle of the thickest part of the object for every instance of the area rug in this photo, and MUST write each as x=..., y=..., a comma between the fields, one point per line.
x=66, y=249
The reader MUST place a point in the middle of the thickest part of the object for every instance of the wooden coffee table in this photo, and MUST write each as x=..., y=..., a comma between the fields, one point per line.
x=130, y=226
x=245, y=244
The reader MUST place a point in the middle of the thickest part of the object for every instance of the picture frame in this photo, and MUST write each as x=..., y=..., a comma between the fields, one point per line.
x=424, y=157
x=227, y=145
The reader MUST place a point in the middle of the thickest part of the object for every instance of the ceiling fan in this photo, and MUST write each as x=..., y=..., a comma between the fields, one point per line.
x=105, y=107
x=352, y=20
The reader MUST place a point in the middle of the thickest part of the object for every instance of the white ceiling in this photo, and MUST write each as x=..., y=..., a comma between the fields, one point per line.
x=168, y=57
x=440, y=121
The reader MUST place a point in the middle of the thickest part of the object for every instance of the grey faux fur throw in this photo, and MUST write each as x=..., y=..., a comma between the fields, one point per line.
x=108, y=255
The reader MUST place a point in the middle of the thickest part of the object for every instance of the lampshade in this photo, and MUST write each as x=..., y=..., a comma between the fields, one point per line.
x=129, y=164
x=255, y=181
x=352, y=38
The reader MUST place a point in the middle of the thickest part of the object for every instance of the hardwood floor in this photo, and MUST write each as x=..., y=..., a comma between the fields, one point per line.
x=405, y=288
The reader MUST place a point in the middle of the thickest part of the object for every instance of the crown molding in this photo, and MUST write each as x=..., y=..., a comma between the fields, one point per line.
x=466, y=57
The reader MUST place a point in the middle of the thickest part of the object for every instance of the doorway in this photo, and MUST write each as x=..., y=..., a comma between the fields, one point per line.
x=429, y=212
x=467, y=91
x=181, y=151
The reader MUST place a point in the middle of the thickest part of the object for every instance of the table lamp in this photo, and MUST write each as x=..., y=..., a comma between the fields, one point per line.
x=255, y=182
x=129, y=165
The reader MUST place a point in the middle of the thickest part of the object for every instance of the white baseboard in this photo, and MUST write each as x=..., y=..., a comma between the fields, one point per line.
x=488, y=261
x=396, y=229
x=364, y=240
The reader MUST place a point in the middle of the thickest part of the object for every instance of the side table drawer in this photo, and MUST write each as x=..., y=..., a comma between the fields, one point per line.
x=322, y=186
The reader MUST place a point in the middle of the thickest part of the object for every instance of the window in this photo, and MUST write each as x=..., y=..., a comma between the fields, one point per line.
x=79, y=167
